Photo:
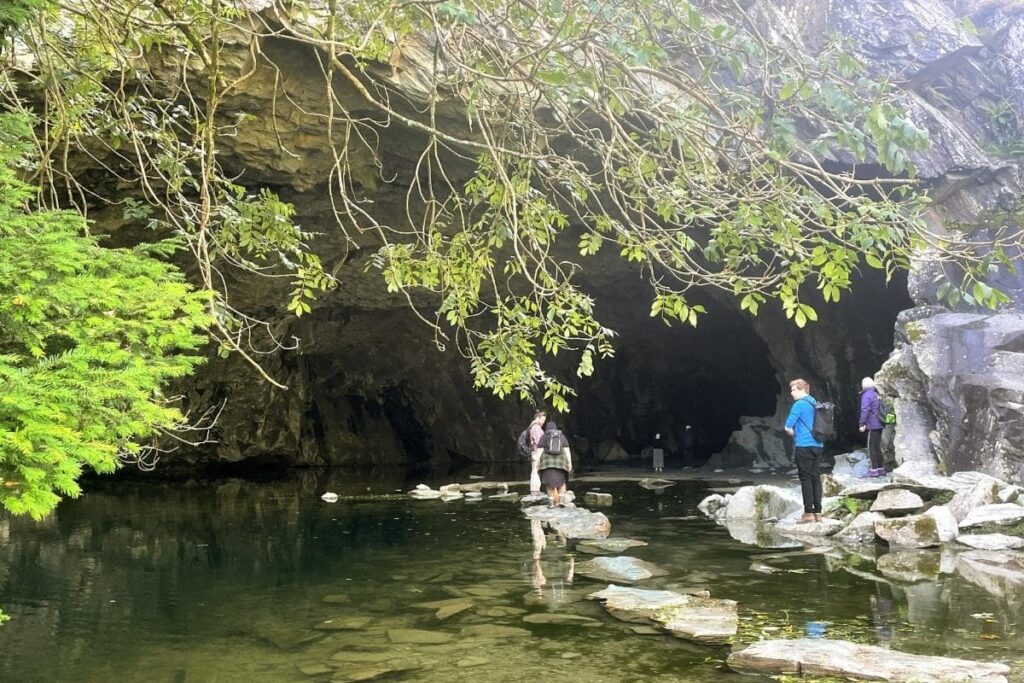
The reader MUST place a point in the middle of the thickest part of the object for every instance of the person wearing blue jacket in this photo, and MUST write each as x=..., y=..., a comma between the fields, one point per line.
x=807, y=451
x=871, y=422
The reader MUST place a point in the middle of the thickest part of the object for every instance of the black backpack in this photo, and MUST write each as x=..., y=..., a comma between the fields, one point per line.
x=824, y=427
x=523, y=444
x=554, y=442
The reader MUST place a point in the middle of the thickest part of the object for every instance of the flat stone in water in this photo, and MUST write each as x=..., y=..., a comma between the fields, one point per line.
x=823, y=657
x=374, y=673
x=440, y=604
x=417, y=636
x=336, y=599
x=358, y=657
x=702, y=620
x=485, y=591
x=608, y=545
x=558, y=618
x=991, y=541
x=500, y=611
x=636, y=604
x=642, y=630
x=622, y=569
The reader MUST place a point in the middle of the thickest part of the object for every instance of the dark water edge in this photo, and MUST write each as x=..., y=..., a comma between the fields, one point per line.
x=225, y=579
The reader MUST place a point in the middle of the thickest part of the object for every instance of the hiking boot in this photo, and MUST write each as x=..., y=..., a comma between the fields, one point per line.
x=806, y=518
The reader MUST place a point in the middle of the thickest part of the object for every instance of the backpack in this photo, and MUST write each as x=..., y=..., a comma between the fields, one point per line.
x=886, y=411
x=523, y=444
x=824, y=427
x=554, y=442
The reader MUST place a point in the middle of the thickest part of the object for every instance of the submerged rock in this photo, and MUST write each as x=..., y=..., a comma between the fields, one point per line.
x=999, y=573
x=622, y=568
x=823, y=657
x=417, y=636
x=636, y=605
x=329, y=497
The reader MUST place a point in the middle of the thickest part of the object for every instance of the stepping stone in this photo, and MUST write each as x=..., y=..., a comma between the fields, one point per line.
x=595, y=498
x=823, y=657
x=452, y=610
x=699, y=619
x=441, y=604
x=315, y=669
x=336, y=599
x=991, y=541
x=575, y=523
x=619, y=569
x=993, y=515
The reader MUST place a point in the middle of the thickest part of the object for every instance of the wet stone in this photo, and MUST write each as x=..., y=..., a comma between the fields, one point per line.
x=375, y=673
x=315, y=669
x=500, y=612
x=472, y=661
x=358, y=657
x=452, y=610
x=336, y=599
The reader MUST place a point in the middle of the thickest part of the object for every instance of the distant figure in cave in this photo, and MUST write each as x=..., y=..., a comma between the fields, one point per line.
x=657, y=454
x=689, y=447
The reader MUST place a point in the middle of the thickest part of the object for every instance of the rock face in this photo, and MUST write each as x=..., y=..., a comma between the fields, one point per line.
x=821, y=657
x=369, y=386
x=762, y=502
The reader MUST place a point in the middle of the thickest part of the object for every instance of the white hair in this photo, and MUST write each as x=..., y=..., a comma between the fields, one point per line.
x=866, y=383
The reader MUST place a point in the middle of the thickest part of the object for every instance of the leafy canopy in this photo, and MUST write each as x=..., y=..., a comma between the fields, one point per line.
x=89, y=336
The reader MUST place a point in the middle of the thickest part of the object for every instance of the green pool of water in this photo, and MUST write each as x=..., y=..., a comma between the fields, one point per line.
x=241, y=581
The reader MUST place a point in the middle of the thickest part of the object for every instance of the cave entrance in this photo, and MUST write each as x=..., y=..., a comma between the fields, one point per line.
x=663, y=378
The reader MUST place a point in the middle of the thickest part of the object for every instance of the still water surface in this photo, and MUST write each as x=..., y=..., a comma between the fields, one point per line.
x=240, y=581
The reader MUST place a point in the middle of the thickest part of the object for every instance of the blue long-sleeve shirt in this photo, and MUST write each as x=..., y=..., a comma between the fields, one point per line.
x=800, y=420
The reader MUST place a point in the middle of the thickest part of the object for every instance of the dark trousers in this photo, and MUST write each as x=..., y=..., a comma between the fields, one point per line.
x=808, y=468
x=875, y=448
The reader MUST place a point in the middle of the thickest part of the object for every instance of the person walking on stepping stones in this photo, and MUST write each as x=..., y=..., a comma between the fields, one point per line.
x=536, y=432
x=555, y=462
x=807, y=450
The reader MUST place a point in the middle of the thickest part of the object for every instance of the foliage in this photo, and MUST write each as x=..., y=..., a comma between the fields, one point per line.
x=88, y=338
x=677, y=136
x=852, y=505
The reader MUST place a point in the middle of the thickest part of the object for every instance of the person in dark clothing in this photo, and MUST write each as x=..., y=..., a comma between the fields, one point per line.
x=689, y=447
x=807, y=450
x=872, y=423
x=555, y=461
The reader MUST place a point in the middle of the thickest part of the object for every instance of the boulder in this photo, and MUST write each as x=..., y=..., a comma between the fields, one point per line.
x=830, y=486
x=975, y=495
x=934, y=527
x=897, y=501
x=763, y=502
x=713, y=504
x=826, y=527
x=923, y=475
x=823, y=657
x=849, y=466
x=620, y=569
x=998, y=514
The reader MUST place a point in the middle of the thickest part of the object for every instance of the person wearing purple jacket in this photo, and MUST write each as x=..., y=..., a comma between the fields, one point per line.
x=871, y=423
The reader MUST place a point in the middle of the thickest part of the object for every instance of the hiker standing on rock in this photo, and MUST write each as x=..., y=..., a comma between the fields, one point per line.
x=555, y=461
x=871, y=422
x=807, y=450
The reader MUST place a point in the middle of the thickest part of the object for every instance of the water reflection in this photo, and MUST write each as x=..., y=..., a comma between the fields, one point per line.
x=261, y=581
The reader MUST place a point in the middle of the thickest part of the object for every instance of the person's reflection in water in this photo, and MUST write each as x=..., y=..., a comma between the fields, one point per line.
x=538, y=579
x=883, y=615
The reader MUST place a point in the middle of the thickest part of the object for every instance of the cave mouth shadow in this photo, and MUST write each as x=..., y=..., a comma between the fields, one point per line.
x=663, y=378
